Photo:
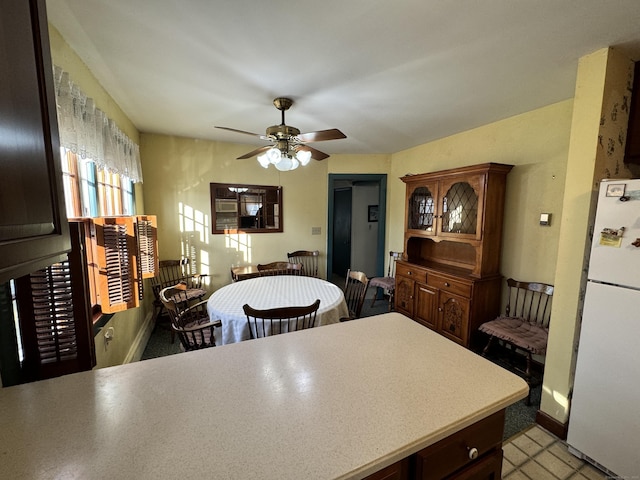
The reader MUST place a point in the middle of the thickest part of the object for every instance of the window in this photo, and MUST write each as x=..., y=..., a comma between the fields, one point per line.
x=121, y=247
x=91, y=191
x=245, y=208
x=112, y=249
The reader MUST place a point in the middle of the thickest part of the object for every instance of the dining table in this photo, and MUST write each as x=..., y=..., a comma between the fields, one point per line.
x=226, y=303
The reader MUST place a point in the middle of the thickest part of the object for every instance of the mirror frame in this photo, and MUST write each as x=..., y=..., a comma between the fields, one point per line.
x=232, y=206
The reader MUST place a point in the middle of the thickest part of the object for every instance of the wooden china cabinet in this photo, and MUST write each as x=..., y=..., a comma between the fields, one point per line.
x=449, y=278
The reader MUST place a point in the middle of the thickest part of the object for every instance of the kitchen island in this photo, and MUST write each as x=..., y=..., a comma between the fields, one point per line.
x=339, y=401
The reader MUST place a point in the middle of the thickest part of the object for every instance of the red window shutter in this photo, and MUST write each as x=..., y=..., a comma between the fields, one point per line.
x=115, y=255
x=55, y=315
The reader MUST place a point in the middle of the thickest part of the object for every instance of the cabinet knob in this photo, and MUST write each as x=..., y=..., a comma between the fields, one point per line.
x=446, y=284
x=410, y=273
x=473, y=453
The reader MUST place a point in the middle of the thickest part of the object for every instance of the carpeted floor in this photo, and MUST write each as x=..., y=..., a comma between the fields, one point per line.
x=519, y=416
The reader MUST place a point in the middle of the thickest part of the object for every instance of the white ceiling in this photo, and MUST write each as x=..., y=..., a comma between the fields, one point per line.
x=389, y=74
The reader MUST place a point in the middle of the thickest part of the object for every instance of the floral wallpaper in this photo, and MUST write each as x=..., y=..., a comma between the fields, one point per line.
x=613, y=126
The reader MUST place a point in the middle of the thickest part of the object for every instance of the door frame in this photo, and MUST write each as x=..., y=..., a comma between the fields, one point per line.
x=381, y=180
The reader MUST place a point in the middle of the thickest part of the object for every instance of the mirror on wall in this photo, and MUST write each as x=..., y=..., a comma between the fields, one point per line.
x=245, y=208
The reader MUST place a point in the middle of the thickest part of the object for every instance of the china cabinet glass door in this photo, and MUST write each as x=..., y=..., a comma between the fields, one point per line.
x=421, y=209
x=459, y=208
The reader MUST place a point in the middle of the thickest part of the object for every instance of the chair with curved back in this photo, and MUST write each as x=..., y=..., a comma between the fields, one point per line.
x=355, y=289
x=172, y=272
x=308, y=259
x=190, y=322
x=388, y=283
x=274, y=321
x=525, y=324
x=279, y=268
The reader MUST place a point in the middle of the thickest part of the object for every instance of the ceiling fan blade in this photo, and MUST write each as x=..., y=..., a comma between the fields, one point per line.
x=241, y=131
x=315, y=153
x=255, y=152
x=321, y=135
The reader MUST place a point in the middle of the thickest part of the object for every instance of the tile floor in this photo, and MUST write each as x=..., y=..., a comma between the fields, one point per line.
x=535, y=454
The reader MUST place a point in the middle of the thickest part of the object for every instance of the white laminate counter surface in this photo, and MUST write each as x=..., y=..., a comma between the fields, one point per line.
x=340, y=401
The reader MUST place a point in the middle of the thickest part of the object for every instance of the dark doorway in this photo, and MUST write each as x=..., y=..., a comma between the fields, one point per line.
x=340, y=186
x=341, y=231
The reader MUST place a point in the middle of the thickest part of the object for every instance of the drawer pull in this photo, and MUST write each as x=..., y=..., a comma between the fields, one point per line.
x=473, y=453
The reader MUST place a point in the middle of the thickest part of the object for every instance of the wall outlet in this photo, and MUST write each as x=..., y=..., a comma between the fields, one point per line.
x=315, y=230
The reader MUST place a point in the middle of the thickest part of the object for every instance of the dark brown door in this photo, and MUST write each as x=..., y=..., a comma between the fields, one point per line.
x=341, y=231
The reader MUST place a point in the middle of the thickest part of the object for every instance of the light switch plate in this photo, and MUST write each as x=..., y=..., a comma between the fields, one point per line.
x=545, y=219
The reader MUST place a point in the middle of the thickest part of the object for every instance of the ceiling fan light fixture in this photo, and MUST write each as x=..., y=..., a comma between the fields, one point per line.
x=263, y=160
x=287, y=141
x=285, y=164
x=284, y=161
x=304, y=156
x=274, y=155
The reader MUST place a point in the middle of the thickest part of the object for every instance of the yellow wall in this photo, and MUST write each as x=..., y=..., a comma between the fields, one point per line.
x=598, y=132
x=132, y=327
x=536, y=143
x=178, y=172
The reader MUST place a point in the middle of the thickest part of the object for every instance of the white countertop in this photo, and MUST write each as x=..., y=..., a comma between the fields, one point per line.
x=340, y=401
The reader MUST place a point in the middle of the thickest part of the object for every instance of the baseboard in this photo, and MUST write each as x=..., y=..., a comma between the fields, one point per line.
x=139, y=344
x=552, y=425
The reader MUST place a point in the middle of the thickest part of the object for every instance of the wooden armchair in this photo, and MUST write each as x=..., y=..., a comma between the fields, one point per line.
x=308, y=259
x=190, y=322
x=173, y=272
x=355, y=289
x=279, y=268
x=274, y=321
x=525, y=324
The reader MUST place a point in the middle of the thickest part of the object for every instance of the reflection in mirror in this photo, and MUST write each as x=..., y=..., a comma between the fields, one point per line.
x=245, y=208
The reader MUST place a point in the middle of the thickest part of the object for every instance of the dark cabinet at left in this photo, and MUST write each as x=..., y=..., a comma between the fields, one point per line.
x=33, y=227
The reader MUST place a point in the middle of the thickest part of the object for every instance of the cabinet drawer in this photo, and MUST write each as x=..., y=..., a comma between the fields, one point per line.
x=417, y=274
x=447, y=285
x=453, y=453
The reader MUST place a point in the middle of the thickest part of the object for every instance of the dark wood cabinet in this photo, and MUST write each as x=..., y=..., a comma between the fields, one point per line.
x=396, y=471
x=449, y=278
x=34, y=232
x=472, y=453
x=454, y=305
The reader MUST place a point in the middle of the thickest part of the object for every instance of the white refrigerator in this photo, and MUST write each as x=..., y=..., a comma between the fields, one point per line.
x=604, y=420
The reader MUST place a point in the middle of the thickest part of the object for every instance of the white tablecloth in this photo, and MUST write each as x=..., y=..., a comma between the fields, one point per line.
x=272, y=292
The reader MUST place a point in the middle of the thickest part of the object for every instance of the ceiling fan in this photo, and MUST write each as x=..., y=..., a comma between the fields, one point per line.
x=288, y=144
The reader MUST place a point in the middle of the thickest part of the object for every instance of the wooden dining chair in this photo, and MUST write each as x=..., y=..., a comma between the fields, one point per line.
x=280, y=268
x=355, y=289
x=525, y=324
x=172, y=272
x=191, y=323
x=274, y=321
x=308, y=259
x=388, y=283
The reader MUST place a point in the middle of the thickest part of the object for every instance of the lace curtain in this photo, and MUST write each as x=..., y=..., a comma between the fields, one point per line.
x=88, y=132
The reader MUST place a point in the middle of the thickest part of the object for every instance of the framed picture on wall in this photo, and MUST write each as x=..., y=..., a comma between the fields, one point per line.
x=373, y=213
